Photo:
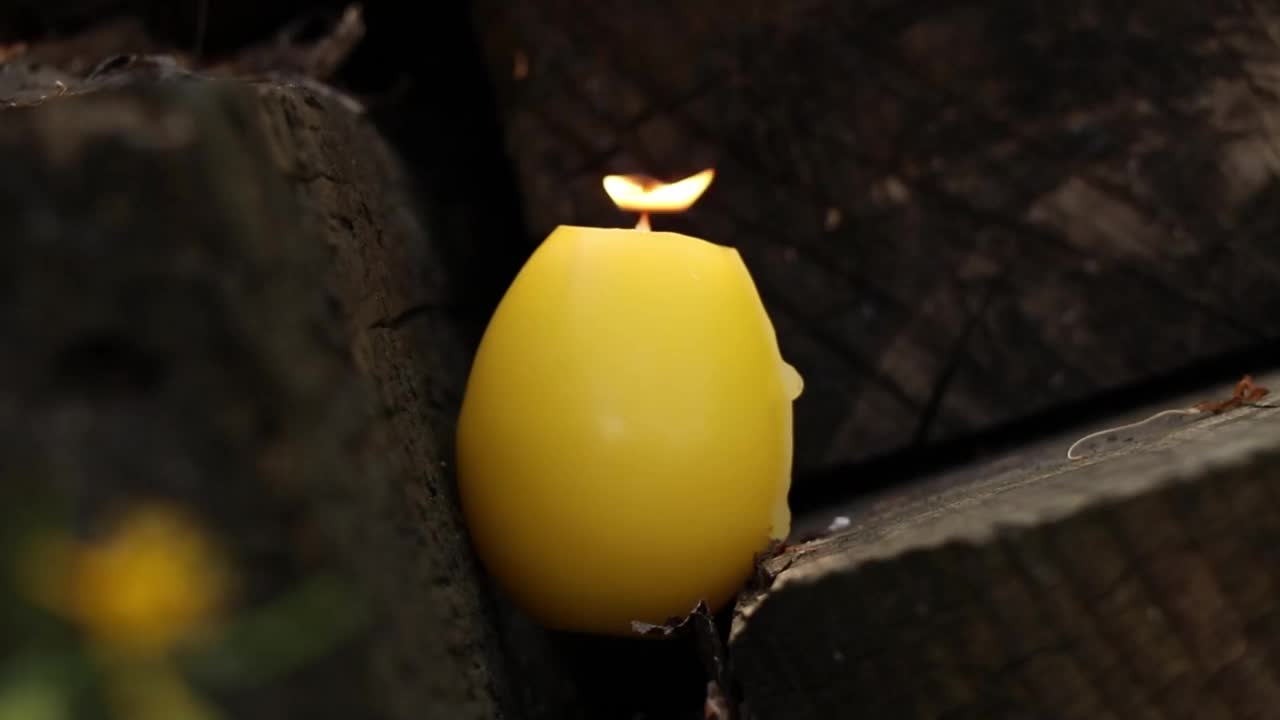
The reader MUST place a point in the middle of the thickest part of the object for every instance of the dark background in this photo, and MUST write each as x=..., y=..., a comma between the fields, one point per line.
x=973, y=223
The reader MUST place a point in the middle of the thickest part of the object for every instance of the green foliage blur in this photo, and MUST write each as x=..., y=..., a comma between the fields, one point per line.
x=129, y=626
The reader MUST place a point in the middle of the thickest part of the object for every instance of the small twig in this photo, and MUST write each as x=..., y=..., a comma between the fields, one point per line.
x=1246, y=392
x=327, y=55
x=318, y=60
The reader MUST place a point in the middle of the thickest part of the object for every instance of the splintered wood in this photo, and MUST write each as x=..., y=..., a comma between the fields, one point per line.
x=1246, y=392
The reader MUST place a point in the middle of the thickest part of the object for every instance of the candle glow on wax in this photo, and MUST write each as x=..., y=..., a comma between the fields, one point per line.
x=625, y=440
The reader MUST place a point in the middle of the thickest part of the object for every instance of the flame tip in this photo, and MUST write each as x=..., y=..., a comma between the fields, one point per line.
x=642, y=193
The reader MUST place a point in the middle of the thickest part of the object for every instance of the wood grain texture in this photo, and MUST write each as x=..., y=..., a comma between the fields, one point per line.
x=408, y=311
x=1142, y=582
x=957, y=213
x=393, y=288
x=217, y=292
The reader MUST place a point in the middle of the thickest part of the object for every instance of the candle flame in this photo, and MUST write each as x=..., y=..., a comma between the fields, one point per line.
x=644, y=194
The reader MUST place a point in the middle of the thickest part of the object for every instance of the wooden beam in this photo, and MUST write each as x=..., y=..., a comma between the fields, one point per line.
x=218, y=293
x=1142, y=580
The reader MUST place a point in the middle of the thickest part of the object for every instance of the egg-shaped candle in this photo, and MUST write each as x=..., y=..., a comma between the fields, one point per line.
x=625, y=440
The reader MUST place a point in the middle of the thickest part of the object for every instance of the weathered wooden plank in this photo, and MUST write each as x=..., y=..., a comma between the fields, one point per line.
x=410, y=307
x=219, y=293
x=958, y=213
x=1140, y=581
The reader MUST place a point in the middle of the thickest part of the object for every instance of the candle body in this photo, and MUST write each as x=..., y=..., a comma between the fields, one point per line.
x=625, y=441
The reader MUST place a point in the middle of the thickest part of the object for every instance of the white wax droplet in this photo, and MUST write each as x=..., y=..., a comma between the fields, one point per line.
x=839, y=522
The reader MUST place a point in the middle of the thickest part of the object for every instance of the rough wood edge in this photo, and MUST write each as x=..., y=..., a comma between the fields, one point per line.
x=1016, y=593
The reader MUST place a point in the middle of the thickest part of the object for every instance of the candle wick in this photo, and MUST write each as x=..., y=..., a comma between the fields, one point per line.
x=643, y=224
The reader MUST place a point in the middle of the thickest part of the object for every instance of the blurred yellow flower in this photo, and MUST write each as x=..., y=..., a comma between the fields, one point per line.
x=154, y=581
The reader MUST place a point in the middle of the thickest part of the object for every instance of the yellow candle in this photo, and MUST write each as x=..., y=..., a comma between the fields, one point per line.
x=624, y=446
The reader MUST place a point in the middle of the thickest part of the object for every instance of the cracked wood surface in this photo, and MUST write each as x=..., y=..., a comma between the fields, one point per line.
x=1142, y=581
x=957, y=213
x=409, y=320
x=217, y=291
